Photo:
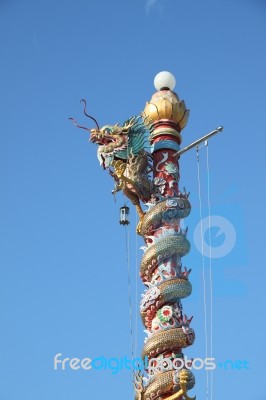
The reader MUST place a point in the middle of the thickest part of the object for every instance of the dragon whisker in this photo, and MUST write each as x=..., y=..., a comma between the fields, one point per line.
x=87, y=115
x=77, y=125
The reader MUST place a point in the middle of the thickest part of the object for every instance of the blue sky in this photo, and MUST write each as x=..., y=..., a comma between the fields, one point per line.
x=63, y=286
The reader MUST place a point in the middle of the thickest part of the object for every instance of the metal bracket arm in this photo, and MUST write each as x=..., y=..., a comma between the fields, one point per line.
x=197, y=142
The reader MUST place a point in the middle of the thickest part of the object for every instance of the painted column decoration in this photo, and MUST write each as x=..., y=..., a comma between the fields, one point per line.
x=168, y=329
x=140, y=156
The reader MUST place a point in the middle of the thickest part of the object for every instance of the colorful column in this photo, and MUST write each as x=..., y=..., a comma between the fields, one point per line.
x=167, y=327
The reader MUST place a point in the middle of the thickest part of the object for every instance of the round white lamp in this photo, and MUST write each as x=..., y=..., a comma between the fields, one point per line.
x=164, y=80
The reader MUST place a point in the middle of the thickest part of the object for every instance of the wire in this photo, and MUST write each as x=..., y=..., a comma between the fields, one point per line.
x=203, y=272
x=136, y=291
x=129, y=293
x=210, y=264
x=129, y=285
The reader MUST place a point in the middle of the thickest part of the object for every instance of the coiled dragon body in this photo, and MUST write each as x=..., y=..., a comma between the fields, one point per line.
x=167, y=283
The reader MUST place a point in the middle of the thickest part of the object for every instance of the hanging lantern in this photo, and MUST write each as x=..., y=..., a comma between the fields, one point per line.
x=124, y=215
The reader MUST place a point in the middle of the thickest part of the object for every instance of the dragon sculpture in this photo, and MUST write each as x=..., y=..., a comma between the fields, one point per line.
x=140, y=156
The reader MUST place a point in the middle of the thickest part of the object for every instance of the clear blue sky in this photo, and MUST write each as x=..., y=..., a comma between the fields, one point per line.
x=63, y=286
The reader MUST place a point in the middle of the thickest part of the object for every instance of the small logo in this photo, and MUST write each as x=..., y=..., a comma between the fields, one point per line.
x=225, y=228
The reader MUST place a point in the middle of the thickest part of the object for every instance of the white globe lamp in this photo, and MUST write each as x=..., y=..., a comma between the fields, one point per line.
x=164, y=80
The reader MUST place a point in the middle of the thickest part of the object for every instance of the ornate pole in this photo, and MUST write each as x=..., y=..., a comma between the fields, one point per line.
x=151, y=177
x=166, y=243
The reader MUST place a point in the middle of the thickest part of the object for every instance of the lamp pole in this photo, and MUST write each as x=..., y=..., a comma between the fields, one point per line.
x=142, y=156
x=167, y=326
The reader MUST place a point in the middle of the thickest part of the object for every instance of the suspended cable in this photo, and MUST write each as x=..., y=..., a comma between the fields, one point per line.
x=129, y=286
x=136, y=291
x=129, y=292
x=203, y=272
x=210, y=264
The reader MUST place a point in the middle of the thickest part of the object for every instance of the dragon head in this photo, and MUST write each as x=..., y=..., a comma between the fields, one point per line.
x=109, y=138
x=113, y=140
